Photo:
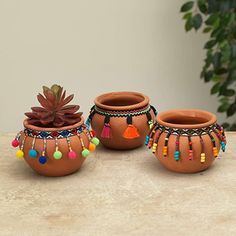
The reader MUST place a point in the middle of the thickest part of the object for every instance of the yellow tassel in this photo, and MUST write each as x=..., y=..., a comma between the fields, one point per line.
x=131, y=132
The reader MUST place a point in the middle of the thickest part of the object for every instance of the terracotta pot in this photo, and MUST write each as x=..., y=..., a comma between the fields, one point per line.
x=186, y=141
x=122, y=119
x=56, y=151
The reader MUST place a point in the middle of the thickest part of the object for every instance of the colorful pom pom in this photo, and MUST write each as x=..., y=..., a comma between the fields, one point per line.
x=42, y=160
x=15, y=143
x=85, y=152
x=20, y=153
x=95, y=141
x=92, y=147
x=57, y=155
x=32, y=153
x=72, y=155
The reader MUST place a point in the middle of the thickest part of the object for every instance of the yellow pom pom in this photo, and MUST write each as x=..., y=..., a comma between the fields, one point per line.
x=20, y=153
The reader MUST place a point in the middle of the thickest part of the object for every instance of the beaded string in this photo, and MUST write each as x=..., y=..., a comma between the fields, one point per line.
x=71, y=154
x=85, y=151
x=43, y=158
x=215, y=152
x=155, y=144
x=32, y=152
x=177, y=152
x=153, y=129
x=221, y=139
x=20, y=152
x=165, y=148
x=203, y=155
x=190, y=148
x=57, y=154
x=150, y=121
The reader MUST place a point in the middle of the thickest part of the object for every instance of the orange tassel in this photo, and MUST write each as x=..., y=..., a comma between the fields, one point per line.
x=131, y=132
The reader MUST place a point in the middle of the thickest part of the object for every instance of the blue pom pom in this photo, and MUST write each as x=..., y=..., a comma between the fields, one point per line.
x=42, y=160
x=33, y=153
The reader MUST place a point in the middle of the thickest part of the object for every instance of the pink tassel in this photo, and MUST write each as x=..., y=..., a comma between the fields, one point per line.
x=106, y=131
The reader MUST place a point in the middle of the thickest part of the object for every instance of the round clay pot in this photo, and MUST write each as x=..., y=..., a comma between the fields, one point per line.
x=126, y=117
x=186, y=141
x=73, y=138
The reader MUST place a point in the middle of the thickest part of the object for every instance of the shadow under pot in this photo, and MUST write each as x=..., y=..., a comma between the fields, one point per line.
x=55, y=151
x=122, y=120
x=186, y=141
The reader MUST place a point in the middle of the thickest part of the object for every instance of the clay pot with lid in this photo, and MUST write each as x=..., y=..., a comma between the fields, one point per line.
x=121, y=120
x=55, y=151
x=186, y=141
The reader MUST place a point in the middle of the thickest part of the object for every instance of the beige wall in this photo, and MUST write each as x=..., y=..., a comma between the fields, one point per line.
x=95, y=46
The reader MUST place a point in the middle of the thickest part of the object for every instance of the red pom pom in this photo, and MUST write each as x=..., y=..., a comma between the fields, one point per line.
x=15, y=143
x=93, y=133
x=72, y=155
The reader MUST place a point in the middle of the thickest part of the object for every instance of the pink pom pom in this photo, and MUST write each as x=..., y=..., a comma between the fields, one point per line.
x=15, y=143
x=72, y=155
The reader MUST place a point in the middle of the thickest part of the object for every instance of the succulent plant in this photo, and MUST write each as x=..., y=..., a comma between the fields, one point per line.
x=54, y=111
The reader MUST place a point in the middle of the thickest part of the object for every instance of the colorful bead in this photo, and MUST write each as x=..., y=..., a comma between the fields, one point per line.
x=72, y=155
x=33, y=153
x=222, y=146
x=42, y=160
x=165, y=151
x=154, y=147
x=190, y=154
x=95, y=141
x=57, y=155
x=215, y=152
x=177, y=154
x=85, y=152
x=92, y=147
x=147, y=140
x=150, y=142
x=15, y=143
x=20, y=153
x=203, y=157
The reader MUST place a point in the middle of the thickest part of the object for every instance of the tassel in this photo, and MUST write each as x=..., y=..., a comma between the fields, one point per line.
x=131, y=131
x=106, y=131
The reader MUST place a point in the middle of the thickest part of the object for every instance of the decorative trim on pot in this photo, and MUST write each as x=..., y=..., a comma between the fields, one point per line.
x=131, y=131
x=49, y=135
x=153, y=137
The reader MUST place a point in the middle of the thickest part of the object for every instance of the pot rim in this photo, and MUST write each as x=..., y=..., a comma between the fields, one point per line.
x=38, y=128
x=106, y=96
x=210, y=117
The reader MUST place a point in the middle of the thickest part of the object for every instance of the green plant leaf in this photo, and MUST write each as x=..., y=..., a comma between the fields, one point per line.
x=210, y=44
x=207, y=29
x=228, y=92
x=187, y=6
x=215, y=88
x=223, y=107
x=212, y=19
x=231, y=110
x=188, y=24
x=225, y=125
x=202, y=6
x=197, y=21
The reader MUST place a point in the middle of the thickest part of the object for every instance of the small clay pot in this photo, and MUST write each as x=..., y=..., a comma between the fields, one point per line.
x=54, y=151
x=186, y=141
x=122, y=119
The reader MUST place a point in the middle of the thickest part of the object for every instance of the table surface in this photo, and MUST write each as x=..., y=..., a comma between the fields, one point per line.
x=118, y=193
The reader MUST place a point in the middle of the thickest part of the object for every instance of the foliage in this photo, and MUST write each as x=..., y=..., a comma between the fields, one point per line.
x=54, y=111
x=218, y=19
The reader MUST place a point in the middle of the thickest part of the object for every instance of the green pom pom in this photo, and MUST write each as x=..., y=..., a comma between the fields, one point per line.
x=85, y=152
x=57, y=155
x=95, y=141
